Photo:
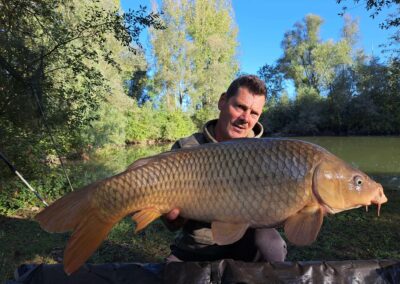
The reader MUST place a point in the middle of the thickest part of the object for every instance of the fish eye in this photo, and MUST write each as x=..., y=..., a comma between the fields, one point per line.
x=358, y=180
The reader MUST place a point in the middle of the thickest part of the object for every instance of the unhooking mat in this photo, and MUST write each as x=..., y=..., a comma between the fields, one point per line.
x=223, y=271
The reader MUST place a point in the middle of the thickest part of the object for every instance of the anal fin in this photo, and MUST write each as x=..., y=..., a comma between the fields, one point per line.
x=302, y=228
x=144, y=217
x=227, y=233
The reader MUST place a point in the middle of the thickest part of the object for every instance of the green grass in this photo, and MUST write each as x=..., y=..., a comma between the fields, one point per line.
x=357, y=234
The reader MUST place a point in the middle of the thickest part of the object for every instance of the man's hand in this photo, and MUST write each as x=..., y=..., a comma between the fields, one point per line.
x=172, y=215
x=172, y=220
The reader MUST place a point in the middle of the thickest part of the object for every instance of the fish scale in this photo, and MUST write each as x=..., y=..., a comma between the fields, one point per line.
x=211, y=172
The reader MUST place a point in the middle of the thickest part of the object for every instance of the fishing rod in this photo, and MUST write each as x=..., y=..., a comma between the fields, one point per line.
x=14, y=170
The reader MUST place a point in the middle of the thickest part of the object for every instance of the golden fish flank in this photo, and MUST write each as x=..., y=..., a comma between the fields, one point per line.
x=234, y=185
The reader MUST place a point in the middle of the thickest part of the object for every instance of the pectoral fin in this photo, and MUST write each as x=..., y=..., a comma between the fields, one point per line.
x=302, y=228
x=144, y=217
x=227, y=233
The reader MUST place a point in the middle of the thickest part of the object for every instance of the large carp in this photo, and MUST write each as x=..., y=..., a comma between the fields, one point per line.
x=234, y=185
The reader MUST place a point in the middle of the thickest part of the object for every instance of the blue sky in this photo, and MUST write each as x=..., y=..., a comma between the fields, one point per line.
x=262, y=24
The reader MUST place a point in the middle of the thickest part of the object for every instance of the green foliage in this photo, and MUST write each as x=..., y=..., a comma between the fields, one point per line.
x=141, y=124
x=278, y=117
x=202, y=115
x=176, y=125
x=363, y=99
x=172, y=53
x=51, y=48
x=375, y=108
x=212, y=29
x=146, y=123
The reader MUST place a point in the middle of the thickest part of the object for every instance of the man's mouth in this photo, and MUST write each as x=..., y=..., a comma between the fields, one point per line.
x=239, y=127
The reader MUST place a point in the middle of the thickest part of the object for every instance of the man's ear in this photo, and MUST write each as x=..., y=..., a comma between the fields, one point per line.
x=222, y=101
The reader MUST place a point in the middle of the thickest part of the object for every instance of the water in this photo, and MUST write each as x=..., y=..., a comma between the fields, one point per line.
x=379, y=157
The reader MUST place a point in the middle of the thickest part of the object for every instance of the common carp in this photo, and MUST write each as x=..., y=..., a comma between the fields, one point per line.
x=233, y=185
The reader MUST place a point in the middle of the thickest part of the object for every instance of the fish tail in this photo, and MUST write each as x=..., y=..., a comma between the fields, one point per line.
x=77, y=212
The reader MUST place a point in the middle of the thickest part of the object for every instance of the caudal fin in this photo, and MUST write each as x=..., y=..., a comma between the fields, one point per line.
x=76, y=212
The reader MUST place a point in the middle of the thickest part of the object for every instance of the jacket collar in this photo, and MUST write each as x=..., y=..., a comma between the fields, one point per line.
x=208, y=131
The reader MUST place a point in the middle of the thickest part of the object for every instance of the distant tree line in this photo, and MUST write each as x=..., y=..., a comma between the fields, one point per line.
x=339, y=90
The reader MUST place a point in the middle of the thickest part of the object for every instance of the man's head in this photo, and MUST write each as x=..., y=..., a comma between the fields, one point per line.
x=240, y=108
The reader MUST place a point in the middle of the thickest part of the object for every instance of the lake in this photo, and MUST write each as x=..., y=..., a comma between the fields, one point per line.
x=379, y=157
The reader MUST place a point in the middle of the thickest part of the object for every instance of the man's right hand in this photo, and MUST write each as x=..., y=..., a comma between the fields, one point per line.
x=172, y=220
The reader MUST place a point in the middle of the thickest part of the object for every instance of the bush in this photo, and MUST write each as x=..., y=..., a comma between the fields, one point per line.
x=176, y=125
x=146, y=123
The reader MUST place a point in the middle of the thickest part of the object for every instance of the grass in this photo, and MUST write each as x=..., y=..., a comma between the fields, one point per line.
x=357, y=234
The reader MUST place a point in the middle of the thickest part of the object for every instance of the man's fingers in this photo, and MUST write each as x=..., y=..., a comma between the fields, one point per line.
x=173, y=214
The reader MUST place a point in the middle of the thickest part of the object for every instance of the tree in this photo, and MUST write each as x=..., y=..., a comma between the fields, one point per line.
x=339, y=98
x=321, y=72
x=375, y=107
x=195, y=55
x=213, y=32
x=274, y=81
x=172, y=51
x=308, y=61
x=46, y=49
x=376, y=7
x=62, y=59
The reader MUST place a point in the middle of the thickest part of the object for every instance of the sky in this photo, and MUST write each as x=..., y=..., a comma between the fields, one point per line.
x=263, y=23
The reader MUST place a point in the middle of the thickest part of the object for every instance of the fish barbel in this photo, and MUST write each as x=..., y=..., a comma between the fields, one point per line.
x=233, y=185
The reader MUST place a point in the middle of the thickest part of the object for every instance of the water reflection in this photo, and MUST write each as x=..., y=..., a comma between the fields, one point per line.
x=377, y=156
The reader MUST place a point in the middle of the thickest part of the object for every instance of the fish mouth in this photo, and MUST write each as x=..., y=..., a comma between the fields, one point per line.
x=379, y=199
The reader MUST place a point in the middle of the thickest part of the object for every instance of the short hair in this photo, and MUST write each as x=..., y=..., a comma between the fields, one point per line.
x=254, y=84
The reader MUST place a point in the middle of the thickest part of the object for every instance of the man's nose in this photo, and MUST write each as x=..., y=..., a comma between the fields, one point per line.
x=245, y=116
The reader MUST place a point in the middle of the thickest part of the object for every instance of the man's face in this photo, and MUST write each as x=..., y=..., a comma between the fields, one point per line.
x=238, y=115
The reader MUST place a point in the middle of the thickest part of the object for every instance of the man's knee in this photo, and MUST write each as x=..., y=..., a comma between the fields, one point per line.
x=270, y=244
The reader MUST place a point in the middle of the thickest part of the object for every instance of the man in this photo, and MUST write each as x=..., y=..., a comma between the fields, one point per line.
x=240, y=108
